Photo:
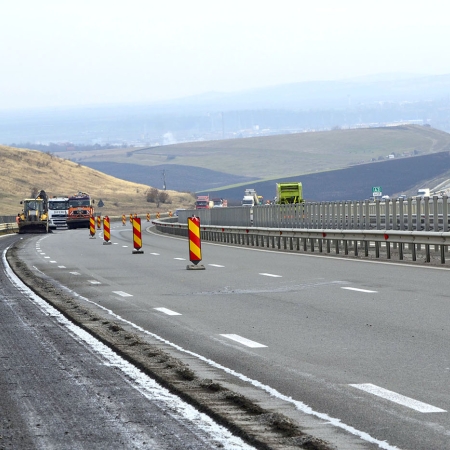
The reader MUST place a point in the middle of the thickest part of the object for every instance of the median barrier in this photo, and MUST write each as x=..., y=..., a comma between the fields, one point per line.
x=386, y=244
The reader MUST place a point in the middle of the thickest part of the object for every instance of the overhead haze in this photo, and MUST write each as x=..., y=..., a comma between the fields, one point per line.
x=109, y=52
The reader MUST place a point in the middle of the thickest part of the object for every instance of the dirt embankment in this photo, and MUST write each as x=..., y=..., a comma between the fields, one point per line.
x=260, y=427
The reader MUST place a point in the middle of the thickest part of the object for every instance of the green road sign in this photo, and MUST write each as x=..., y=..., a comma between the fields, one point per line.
x=377, y=189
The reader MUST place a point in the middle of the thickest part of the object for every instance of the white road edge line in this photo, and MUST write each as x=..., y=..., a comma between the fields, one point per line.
x=271, y=275
x=169, y=312
x=397, y=398
x=243, y=341
x=359, y=290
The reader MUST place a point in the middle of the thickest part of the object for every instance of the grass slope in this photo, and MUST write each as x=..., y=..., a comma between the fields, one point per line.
x=26, y=169
x=271, y=157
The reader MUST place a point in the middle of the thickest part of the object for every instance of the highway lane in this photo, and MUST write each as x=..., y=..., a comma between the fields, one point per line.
x=324, y=331
x=62, y=388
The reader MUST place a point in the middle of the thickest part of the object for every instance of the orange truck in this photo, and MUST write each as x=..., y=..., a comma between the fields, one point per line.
x=81, y=208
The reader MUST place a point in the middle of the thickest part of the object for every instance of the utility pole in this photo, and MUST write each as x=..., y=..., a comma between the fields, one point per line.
x=164, y=179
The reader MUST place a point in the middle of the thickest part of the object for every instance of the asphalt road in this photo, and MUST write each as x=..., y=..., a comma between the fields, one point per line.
x=360, y=347
x=62, y=389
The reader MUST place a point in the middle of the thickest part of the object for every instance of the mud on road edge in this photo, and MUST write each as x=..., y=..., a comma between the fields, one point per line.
x=259, y=426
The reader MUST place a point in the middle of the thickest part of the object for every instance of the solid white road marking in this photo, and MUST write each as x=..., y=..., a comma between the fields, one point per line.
x=122, y=294
x=359, y=290
x=94, y=282
x=397, y=398
x=169, y=312
x=61, y=267
x=270, y=275
x=243, y=341
x=180, y=259
x=215, y=265
x=74, y=273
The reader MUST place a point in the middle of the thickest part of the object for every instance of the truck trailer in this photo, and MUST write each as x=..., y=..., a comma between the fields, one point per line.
x=288, y=193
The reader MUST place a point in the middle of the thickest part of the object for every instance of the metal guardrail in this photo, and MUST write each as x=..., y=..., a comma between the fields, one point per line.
x=408, y=245
x=426, y=214
x=8, y=228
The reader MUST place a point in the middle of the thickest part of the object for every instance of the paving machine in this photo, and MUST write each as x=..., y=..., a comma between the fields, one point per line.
x=34, y=217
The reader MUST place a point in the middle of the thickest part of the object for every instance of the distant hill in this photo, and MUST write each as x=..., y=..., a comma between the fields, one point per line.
x=211, y=165
x=25, y=169
x=355, y=183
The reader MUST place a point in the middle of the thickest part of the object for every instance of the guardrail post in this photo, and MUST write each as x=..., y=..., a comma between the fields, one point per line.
x=377, y=214
x=444, y=213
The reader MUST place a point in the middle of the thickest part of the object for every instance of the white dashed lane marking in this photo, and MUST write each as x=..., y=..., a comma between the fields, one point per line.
x=359, y=290
x=61, y=267
x=215, y=265
x=74, y=273
x=94, y=282
x=270, y=275
x=169, y=312
x=180, y=259
x=122, y=294
x=397, y=398
x=243, y=341
x=156, y=254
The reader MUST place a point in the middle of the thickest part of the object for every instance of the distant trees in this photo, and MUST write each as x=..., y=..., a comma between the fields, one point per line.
x=155, y=196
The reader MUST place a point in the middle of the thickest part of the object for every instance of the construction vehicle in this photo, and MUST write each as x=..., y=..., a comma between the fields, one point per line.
x=34, y=217
x=81, y=208
x=57, y=212
x=250, y=198
x=203, y=202
x=288, y=193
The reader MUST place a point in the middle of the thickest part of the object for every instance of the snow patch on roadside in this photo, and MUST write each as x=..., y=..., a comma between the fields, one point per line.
x=139, y=380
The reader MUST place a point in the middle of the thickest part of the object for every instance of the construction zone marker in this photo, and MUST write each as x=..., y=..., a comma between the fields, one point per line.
x=124, y=219
x=106, y=231
x=92, y=227
x=148, y=217
x=99, y=223
x=195, y=245
x=137, y=238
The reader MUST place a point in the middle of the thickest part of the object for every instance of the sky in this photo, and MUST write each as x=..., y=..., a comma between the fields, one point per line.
x=88, y=52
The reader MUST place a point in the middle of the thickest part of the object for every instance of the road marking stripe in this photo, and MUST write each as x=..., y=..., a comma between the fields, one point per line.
x=115, y=243
x=215, y=265
x=359, y=290
x=271, y=275
x=46, y=257
x=156, y=254
x=94, y=282
x=61, y=267
x=74, y=273
x=169, y=312
x=53, y=262
x=125, y=246
x=243, y=341
x=397, y=398
x=180, y=259
x=122, y=294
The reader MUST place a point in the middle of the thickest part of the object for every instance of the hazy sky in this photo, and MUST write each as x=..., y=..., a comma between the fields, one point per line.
x=74, y=52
